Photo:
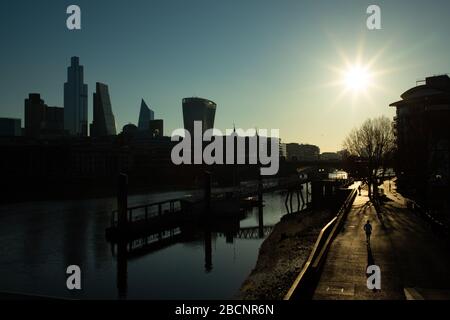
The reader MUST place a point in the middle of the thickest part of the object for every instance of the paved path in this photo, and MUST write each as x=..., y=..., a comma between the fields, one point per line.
x=409, y=255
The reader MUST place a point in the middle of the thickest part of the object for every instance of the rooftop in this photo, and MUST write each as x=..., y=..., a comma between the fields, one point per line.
x=433, y=87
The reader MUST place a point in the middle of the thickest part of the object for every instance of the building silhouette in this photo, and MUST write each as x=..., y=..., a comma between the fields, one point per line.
x=156, y=128
x=302, y=152
x=54, y=122
x=42, y=121
x=104, y=123
x=145, y=116
x=10, y=127
x=129, y=129
x=423, y=147
x=198, y=109
x=330, y=156
x=76, y=100
x=34, y=115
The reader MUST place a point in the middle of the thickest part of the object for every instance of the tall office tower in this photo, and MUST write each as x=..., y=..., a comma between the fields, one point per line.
x=34, y=115
x=75, y=100
x=145, y=116
x=198, y=109
x=104, y=123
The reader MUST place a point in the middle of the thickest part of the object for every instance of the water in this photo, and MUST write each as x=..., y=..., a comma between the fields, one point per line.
x=39, y=240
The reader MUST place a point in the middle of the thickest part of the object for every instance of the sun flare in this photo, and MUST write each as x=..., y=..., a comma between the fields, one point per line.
x=357, y=78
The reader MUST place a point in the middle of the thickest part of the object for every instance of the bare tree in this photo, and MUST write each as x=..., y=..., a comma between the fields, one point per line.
x=373, y=142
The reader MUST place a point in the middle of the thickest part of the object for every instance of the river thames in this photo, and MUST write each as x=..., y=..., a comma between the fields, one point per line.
x=41, y=239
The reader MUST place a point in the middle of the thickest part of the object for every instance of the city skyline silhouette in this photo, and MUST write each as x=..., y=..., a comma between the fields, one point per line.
x=271, y=68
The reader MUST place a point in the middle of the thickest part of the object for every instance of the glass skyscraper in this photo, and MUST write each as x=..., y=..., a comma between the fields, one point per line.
x=104, y=123
x=75, y=100
x=145, y=116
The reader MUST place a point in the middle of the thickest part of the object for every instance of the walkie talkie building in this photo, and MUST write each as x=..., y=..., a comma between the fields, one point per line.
x=198, y=109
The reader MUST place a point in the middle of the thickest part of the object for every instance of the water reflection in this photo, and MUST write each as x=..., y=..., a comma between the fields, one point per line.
x=303, y=195
x=208, y=260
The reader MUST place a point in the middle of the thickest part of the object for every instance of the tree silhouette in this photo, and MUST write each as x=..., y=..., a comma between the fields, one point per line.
x=374, y=143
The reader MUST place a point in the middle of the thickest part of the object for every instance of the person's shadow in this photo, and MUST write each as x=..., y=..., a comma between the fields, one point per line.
x=370, y=260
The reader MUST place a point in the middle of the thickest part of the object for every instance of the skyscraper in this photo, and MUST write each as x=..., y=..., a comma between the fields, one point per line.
x=145, y=116
x=75, y=100
x=198, y=109
x=104, y=123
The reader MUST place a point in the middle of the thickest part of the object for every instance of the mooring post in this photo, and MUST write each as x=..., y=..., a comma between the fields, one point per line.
x=208, y=250
x=290, y=201
x=317, y=193
x=260, y=190
x=286, y=201
x=122, y=269
x=122, y=200
x=208, y=190
x=260, y=222
x=301, y=197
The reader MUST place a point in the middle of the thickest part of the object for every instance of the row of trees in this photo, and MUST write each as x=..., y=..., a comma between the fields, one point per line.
x=374, y=143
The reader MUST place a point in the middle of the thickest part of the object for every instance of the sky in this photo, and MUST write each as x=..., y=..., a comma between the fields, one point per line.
x=274, y=64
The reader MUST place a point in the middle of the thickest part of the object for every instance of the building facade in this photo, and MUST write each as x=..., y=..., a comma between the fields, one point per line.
x=422, y=131
x=104, y=123
x=76, y=100
x=198, y=109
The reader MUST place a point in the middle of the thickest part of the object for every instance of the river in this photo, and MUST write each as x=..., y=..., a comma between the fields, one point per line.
x=41, y=239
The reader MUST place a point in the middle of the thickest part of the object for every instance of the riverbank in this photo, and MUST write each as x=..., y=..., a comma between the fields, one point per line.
x=283, y=254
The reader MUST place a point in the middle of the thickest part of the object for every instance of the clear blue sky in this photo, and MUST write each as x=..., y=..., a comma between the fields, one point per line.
x=266, y=63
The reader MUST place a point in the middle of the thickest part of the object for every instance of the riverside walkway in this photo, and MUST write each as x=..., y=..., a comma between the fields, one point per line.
x=414, y=263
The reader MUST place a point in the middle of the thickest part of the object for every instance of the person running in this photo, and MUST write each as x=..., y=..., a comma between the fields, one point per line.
x=368, y=230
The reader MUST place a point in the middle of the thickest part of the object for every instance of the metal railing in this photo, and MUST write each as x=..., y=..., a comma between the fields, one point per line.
x=148, y=211
x=304, y=284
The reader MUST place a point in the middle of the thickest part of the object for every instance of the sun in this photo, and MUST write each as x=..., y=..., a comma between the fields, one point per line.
x=357, y=78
